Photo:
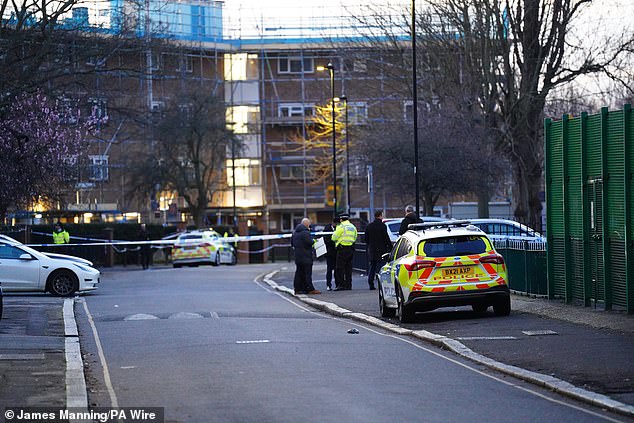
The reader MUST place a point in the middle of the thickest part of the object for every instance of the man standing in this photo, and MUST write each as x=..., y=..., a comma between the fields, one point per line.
x=410, y=217
x=303, y=247
x=331, y=252
x=144, y=236
x=344, y=237
x=378, y=243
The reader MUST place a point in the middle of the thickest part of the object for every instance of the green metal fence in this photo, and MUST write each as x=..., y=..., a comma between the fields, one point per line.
x=589, y=197
x=525, y=264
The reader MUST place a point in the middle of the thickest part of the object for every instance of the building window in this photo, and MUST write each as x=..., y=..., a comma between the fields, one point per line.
x=99, y=107
x=357, y=113
x=241, y=67
x=157, y=106
x=295, y=110
x=242, y=119
x=289, y=64
x=408, y=111
x=186, y=64
x=98, y=170
x=247, y=172
x=156, y=62
x=292, y=172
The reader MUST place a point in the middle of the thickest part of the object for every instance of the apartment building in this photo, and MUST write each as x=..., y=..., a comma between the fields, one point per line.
x=274, y=90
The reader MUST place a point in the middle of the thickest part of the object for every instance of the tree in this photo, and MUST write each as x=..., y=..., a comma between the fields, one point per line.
x=511, y=54
x=190, y=151
x=38, y=147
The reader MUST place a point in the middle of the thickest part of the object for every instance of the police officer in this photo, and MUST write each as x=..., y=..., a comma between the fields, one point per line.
x=331, y=252
x=60, y=236
x=344, y=237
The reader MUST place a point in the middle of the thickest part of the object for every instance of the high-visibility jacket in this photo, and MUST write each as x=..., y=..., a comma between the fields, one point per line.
x=61, y=237
x=345, y=234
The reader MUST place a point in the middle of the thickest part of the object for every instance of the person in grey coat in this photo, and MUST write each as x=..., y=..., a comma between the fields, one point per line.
x=303, y=247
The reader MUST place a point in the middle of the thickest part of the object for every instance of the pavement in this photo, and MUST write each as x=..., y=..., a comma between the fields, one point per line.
x=32, y=352
x=582, y=352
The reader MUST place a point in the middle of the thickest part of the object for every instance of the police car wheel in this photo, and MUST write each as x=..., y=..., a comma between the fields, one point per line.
x=234, y=260
x=405, y=315
x=502, y=307
x=383, y=308
x=480, y=308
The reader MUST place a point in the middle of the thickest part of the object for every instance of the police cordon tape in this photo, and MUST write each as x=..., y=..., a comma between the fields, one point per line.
x=163, y=243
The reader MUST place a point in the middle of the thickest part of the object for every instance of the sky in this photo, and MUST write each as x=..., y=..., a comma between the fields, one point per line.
x=249, y=18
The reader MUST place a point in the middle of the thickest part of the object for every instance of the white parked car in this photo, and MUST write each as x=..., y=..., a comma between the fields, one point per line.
x=24, y=269
x=394, y=224
x=8, y=239
x=500, y=229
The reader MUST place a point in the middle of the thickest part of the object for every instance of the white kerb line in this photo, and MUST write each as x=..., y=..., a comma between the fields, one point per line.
x=104, y=365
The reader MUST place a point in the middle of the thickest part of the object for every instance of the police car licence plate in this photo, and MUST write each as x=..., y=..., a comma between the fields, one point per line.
x=453, y=272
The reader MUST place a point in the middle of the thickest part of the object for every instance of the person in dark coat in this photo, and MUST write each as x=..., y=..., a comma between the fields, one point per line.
x=331, y=252
x=378, y=243
x=303, y=246
x=144, y=235
x=410, y=217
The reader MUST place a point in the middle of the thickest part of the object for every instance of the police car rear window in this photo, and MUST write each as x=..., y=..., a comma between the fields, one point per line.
x=190, y=237
x=454, y=246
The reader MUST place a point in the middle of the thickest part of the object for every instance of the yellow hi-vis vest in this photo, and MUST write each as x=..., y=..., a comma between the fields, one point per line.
x=61, y=237
x=345, y=234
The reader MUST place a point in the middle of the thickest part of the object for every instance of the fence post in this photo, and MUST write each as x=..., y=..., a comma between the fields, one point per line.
x=629, y=287
x=108, y=250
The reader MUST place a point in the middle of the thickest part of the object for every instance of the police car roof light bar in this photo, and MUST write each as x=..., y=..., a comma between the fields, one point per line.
x=447, y=224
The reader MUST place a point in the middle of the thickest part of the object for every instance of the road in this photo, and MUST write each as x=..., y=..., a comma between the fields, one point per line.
x=215, y=345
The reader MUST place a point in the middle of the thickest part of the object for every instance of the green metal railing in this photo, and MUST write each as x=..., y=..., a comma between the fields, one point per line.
x=525, y=264
x=589, y=168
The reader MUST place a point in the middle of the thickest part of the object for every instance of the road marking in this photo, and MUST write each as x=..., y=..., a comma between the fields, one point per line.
x=486, y=338
x=39, y=356
x=539, y=332
x=258, y=341
x=214, y=315
x=185, y=315
x=128, y=367
x=140, y=316
x=114, y=403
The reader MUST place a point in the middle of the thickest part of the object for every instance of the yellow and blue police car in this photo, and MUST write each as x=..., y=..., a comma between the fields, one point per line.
x=443, y=264
x=202, y=247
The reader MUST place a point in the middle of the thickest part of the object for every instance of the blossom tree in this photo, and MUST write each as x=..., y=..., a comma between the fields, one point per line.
x=39, y=142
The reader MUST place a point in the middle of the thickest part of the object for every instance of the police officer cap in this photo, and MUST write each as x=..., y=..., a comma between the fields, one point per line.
x=344, y=216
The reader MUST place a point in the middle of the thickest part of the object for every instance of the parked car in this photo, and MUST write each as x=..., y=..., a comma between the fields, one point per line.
x=443, y=264
x=24, y=269
x=8, y=239
x=394, y=224
x=498, y=229
x=202, y=247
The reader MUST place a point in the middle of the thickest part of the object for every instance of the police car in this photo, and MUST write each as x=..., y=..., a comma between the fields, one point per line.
x=202, y=247
x=443, y=264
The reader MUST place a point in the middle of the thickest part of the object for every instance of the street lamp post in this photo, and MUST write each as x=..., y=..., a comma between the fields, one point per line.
x=415, y=106
x=345, y=102
x=331, y=69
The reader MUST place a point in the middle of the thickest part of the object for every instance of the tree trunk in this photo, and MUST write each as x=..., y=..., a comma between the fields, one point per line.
x=483, y=203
